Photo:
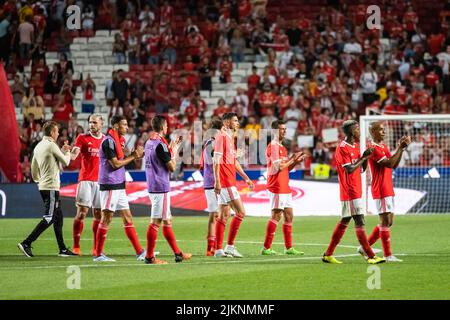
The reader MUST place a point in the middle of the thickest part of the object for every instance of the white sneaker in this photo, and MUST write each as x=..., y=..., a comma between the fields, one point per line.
x=103, y=258
x=221, y=254
x=232, y=251
x=363, y=253
x=141, y=256
x=393, y=259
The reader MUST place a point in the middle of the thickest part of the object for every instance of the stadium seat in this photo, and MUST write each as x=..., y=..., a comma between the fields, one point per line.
x=204, y=94
x=102, y=33
x=80, y=40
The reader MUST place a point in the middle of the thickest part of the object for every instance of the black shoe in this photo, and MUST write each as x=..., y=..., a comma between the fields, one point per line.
x=26, y=249
x=182, y=256
x=67, y=253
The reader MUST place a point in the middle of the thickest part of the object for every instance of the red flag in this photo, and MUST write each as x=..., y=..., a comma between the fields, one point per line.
x=9, y=136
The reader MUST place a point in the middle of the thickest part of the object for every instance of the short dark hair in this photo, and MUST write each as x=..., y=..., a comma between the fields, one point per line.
x=229, y=115
x=347, y=126
x=157, y=122
x=216, y=124
x=117, y=119
x=48, y=127
x=276, y=124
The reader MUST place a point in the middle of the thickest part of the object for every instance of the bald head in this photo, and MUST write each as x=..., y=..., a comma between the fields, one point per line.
x=376, y=130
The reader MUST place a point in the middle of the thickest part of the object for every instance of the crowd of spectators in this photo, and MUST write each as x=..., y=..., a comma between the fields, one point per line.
x=318, y=70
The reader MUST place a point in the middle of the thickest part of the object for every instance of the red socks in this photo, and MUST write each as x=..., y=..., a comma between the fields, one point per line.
x=170, y=237
x=95, y=224
x=101, y=237
x=375, y=235
x=77, y=230
x=287, y=232
x=362, y=238
x=270, y=233
x=220, y=231
x=152, y=234
x=234, y=227
x=132, y=236
x=211, y=246
x=385, y=236
x=338, y=233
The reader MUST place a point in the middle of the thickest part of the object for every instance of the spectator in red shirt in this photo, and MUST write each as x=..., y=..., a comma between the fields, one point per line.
x=62, y=111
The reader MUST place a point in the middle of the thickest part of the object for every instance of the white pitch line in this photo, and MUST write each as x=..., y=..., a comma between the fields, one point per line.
x=141, y=264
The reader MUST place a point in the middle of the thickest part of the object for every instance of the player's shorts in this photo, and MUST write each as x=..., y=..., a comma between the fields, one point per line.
x=280, y=200
x=88, y=194
x=114, y=200
x=212, y=200
x=385, y=205
x=352, y=208
x=228, y=194
x=160, y=206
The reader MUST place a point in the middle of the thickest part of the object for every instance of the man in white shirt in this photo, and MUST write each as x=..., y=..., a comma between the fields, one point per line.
x=45, y=172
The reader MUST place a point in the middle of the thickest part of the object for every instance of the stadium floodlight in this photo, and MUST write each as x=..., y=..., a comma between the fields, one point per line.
x=422, y=179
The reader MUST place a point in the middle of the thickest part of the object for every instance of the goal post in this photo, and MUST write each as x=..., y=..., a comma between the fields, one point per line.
x=422, y=179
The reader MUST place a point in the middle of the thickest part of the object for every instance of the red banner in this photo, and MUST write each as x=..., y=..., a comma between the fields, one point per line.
x=9, y=136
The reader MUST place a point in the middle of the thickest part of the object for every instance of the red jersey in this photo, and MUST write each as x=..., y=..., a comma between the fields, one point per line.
x=224, y=146
x=90, y=155
x=277, y=182
x=382, y=185
x=349, y=183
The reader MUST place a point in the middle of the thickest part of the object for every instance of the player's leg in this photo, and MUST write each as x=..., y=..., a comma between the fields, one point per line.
x=288, y=215
x=338, y=233
x=48, y=197
x=108, y=200
x=270, y=231
x=83, y=201
x=168, y=232
x=360, y=231
x=97, y=214
x=238, y=207
x=77, y=228
x=130, y=231
x=213, y=209
x=375, y=235
x=221, y=223
x=385, y=232
x=159, y=211
x=211, y=236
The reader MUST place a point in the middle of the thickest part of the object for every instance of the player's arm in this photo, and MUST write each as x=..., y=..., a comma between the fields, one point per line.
x=361, y=162
x=216, y=167
x=75, y=153
x=297, y=158
x=110, y=152
x=62, y=155
x=35, y=173
x=244, y=176
x=164, y=155
x=393, y=161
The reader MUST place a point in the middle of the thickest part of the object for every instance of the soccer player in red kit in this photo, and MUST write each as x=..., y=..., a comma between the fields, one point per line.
x=88, y=192
x=348, y=163
x=381, y=163
x=225, y=168
x=278, y=167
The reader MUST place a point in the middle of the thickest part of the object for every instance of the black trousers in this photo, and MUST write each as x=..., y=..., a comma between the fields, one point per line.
x=53, y=215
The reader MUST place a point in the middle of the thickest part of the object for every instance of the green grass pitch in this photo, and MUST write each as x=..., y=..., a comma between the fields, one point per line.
x=422, y=241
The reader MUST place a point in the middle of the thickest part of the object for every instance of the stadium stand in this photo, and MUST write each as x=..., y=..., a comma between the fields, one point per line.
x=141, y=57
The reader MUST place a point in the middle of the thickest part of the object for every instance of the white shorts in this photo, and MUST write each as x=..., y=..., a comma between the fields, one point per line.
x=212, y=200
x=280, y=200
x=160, y=206
x=385, y=204
x=228, y=194
x=352, y=208
x=88, y=194
x=114, y=200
